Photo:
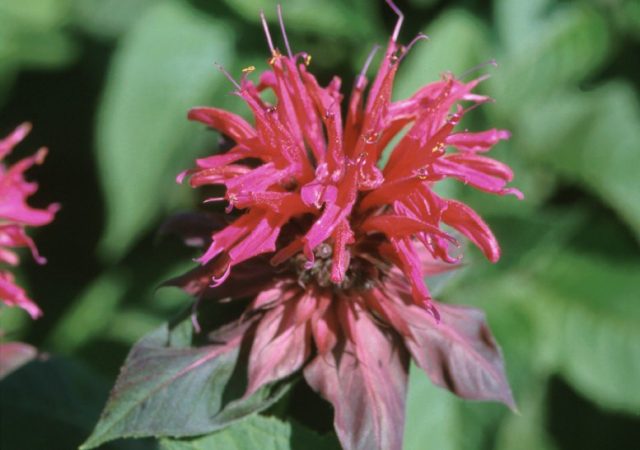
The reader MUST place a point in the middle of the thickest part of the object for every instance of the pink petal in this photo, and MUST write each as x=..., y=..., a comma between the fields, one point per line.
x=412, y=268
x=8, y=143
x=261, y=238
x=14, y=191
x=15, y=236
x=482, y=175
x=477, y=142
x=327, y=106
x=227, y=123
x=341, y=256
x=468, y=222
x=13, y=295
x=303, y=105
x=399, y=226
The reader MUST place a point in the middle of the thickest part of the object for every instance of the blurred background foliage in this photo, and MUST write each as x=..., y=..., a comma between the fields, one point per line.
x=107, y=84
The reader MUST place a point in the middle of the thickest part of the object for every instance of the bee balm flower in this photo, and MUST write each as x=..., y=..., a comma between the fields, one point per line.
x=16, y=215
x=332, y=248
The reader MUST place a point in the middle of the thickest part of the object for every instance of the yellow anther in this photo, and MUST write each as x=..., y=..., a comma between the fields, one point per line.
x=275, y=56
x=422, y=174
x=307, y=59
x=249, y=69
x=371, y=137
x=438, y=148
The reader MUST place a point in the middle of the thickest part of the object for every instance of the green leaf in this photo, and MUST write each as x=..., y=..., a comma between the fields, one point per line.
x=588, y=315
x=423, y=3
x=34, y=48
x=90, y=314
x=518, y=22
x=37, y=13
x=627, y=15
x=49, y=403
x=563, y=49
x=352, y=20
x=435, y=417
x=31, y=32
x=32, y=36
x=431, y=415
x=507, y=296
x=527, y=430
x=163, y=67
x=256, y=432
x=591, y=138
x=129, y=324
x=14, y=323
x=168, y=388
x=580, y=311
x=109, y=18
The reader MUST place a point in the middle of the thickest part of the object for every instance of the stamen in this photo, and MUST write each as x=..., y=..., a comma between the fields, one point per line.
x=396, y=30
x=372, y=137
x=422, y=173
x=275, y=55
x=324, y=251
x=491, y=62
x=363, y=73
x=439, y=149
x=457, y=116
x=402, y=50
x=307, y=59
x=217, y=281
x=228, y=75
x=266, y=32
x=246, y=72
x=284, y=32
x=420, y=36
x=311, y=257
x=214, y=199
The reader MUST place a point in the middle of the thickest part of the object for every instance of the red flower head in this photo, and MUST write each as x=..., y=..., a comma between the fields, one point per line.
x=16, y=215
x=332, y=246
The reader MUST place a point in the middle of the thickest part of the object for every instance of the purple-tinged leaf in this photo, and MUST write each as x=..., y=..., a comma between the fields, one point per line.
x=167, y=388
x=279, y=348
x=194, y=228
x=365, y=378
x=459, y=353
x=14, y=355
